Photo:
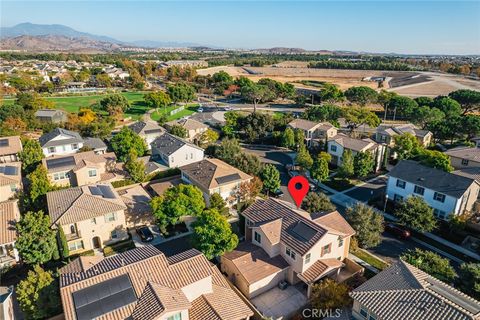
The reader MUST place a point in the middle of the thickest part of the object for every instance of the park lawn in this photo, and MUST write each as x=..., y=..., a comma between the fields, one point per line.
x=189, y=110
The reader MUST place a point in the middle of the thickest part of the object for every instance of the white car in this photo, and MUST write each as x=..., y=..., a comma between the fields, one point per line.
x=200, y=109
x=227, y=108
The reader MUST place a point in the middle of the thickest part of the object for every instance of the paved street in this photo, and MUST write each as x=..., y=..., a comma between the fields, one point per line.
x=372, y=189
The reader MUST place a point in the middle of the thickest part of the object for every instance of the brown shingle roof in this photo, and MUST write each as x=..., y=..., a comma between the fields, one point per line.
x=9, y=215
x=10, y=145
x=334, y=222
x=472, y=154
x=359, y=145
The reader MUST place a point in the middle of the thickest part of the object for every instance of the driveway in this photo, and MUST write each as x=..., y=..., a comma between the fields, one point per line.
x=372, y=189
x=280, y=304
x=157, y=237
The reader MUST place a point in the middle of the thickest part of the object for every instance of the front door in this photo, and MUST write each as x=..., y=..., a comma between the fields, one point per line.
x=96, y=243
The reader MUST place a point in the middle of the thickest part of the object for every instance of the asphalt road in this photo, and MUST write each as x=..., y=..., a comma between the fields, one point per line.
x=373, y=189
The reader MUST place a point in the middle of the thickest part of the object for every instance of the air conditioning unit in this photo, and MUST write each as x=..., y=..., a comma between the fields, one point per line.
x=282, y=285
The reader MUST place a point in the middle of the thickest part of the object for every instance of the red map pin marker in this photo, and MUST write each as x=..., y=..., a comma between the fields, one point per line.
x=298, y=187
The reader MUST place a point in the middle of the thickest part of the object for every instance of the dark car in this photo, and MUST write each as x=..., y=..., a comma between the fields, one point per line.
x=144, y=233
x=397, y=230
x=278, y=193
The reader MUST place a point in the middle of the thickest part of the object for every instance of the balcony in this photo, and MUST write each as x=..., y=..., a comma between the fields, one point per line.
x=73, y=236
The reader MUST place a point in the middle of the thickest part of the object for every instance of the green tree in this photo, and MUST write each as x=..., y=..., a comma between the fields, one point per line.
x=469, y=279
x=319, y=170
x=468, y=99
x=257, y=125
x=212, y=234
x=435, y=159
x=127, y=140
x=317, y=202
x=329, y=295
x=157, y=99
x=303, y=158
x=257, y=93
x=424, y=116
x=248, y=191
x=38, y=294
x=63, y=249
x=406, y=146
x=357, y=116
x=323, y=112
x=288, y=138
x=208, y=137
x=33, y=101
x=299, y=138
x=330, y=93
x=36, y=241
x=346, y=169
x=248, y=163
x=31, y=155
x=363, y=164
x=181, y=92
x=38, y=186
x=135, y=167
x=415, y=213
x=271, y=178
x=367, y=223
x=115, y=105
x=176, y=202
x=448, y=106
x=231, y=123
x=219, y=204
x=178, y=130
x=402, y=106
x=361, y=95
x=228, y=150
x=431, y=263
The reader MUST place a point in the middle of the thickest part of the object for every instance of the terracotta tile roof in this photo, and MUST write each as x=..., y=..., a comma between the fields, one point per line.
x=303, y=124
x=319, y=269
x=272, y=230
x=160, y=187
x=15, y=178
x=158, y=283
x=404, y=292
x=77, y=161
x=78, y=204
x=472, y=154
x=209, y=173
x=359, y=145
x=10, y=145
x=253, y=263
x=9, y=215
x=189, y=124
x=334, y=222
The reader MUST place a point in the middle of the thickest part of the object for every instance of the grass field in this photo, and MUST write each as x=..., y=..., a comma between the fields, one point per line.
x=190, y=109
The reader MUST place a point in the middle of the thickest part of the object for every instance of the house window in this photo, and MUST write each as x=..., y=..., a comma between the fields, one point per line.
x=13, y=187
x=464, y=162
x=363, y=312
x=75, y=146
x=186, y=156
x=173, y=160
x=440, y=197
x=419, y=190
x=72, y=228
x=401, y=183
x=340, y=242
x=191, y=155
x=439, y=213
x=77, y=245
x=258, y=237
x=92, y=173
x=51, y=149
x=307, y=258
x=93, y=221
x=326, y=249
x=177, y=316
x=290, y=253
x=333, y=148
x=397, y=197
x=109, y=217
x=60, y=176
x=114, y=234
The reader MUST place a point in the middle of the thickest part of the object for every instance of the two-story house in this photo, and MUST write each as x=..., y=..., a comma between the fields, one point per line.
x=61, y=141
x=341, y=142
x=314, y=132
x=10, y=179
x=194, y=128
x=9, y=149
x=51, y=116
x=387, y=132
x=175, y=152
x=81, y=168
x=464, y=157
x=148, y=130
x=215, y=176
x=9, y=216
x=143, y=283
x=403, y=291
x=447, y=193
x=286, y=244
x=91, y=216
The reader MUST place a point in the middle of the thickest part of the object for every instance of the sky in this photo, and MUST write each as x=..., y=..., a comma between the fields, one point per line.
x=383, y=26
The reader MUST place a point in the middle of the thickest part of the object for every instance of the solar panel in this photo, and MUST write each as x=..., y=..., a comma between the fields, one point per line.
x=11, y=171
x=2, y=169
x=106, y=192
x=4, y=143
x=103, y=297
x=303, y=231
x=229, y=178
x=95, y=191
x=153, y=131
x=448, y=293
x=61, y=162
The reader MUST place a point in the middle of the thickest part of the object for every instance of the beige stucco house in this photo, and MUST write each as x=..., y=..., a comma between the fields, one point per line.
x=215, y=176
x=287, y=244
x=9, y=215
x=314, y=132
x=10, y=179
x=91, y=216
x=9, y=149
x=464, y=157
x=148, y=130
x=387, y=132
x=194, y=128
x=82, y=168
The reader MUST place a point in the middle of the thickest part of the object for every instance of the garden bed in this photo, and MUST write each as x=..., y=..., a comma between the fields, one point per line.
x=118, y=247
x=370, y=259
x=341, y=184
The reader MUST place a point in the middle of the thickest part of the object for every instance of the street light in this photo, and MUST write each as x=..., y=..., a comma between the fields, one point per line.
x=386, y=200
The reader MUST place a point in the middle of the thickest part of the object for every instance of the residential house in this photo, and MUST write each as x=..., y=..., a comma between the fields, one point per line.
x=9, y=216
x=445, y=192
x=463, y=157
x=314, y=132
x=175, y=152
x=61, y=141
x=6, y=303
x=403, y=291
x=284, y=243
x=81, y=168
x=341, y=142
x=91, y=216
x=144, y=284
x=10, y=179
x=51, y=115
x=9, y=149
x=215, y=176
x=194, y=128
x=149, y=131
x=386, y=133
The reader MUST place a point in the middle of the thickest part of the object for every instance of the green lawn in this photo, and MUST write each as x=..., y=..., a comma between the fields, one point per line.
x=370, y=259
x=341, y=184
x=190, y=109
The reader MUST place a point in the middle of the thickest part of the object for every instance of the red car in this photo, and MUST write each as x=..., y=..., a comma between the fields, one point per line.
x=397, y=230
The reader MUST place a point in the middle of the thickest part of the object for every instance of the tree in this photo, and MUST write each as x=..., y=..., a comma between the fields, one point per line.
x=435, y=159
x=256, y=93
x=424, y=101
x=157, y=99
x=212, y=234
x=181, y=92
x=367, y=223
x=103, y=80
x=288, y=138
x=330, y=93
x=357, y=116
x=127, y=140
x=403, y=106
x=33, y=101
x=468, y=99
x=270, y=178
x=317, y=202
x=63, y=249
x=31, y=155
x=319, y=170
x=361, y=95
x=176, y=202
x=248, y=191
x=178, y=130
x=257, y=125
x=415, y=213
x=135, y=167
x=469, y=279
x=384, y=98
x=36, y=241
x=431, y=263
x=324, y=112
x=363, y=164
x=248, y=163
x=346, y=169
x=219, y=204
x=425, y=115
x=228, y=149
x=208, y=137
x=12, y=126
x=231, y=123
x=329, y=294
x=115, y=105
x=38, y=294
x=38, y=187
x=448, y=106
x=406, y=146
x=303, y=158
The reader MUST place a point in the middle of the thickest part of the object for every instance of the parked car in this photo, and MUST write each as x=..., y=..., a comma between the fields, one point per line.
x=397, y=230
x=227, y=108
x=200, y=109
x=313, y=187
x=144, y=233
x=278, y=193
x=293, y=173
